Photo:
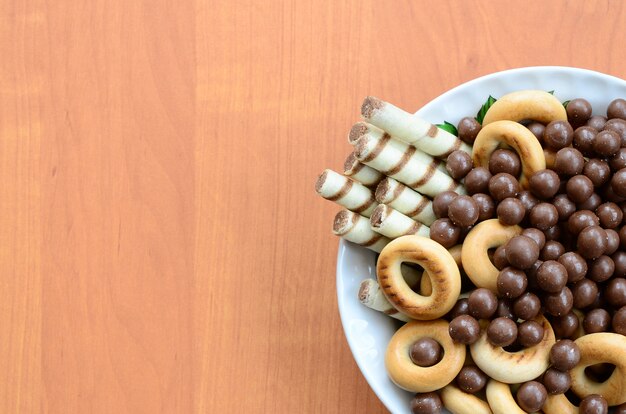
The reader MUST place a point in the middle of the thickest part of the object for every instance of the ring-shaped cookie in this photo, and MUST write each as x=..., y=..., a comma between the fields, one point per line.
x=514, y=367
x=404, y=373
x=459, y=402
x=516, y=106
x=559, y=404
x=437, y=262
x=501, y=398
x=518, y=137
x=600, y=348
x=486, y=235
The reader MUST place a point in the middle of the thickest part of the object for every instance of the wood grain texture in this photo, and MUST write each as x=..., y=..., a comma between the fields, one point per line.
x=163, y=249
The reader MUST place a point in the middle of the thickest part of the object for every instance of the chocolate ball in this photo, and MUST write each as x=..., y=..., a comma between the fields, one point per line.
x=463, y=211
x=528, y=199
x=536, y=235
x=575, y=265
x=499, y=258
x=461, y=307
x=618, y=182
x=458, y=164
x=606, y=143
x=565, y=326
x=464, y=329
x=505, y=309
x=543, y=216
x=616, y=109
x=511, y=282
x=564, y=206
x=585, y=292
x=530, y=333
x=583, y=139
x=622, y=237
x=615, y=292
x=580, y=220
x=579, y=188
x=477, y=180
x=505, y=161
x=521, y=252
x=578, y=111
x=556, y=382
x=441, y=202
x=502, y=332
x=596, y=320
x=426, y=403
x=593, y=404
x=564, y=355
x=598, y=171
x=531, y=396
x=468, y=128
x=482, y=303
x=619, y=321
x=617, y=125
x=559, y=304
x=569, y=161
x=596, y=122
x=503, y=185
x=553, y=233
x=601, y=269
x=620, y=409
x=591, y=242
x=558, y=134
x=592, y=203
x=610, y=215
x=537, y=129
x=445, y=232
x=619, y=260
x=618, y=161
x=552, y=250
x=608, y=194
x=510, y=211
x=551, y=276
x=425, y=352
x=612, y=241
x=486, y=206
x=544, y=184
x=471, y=379
x=527, y=306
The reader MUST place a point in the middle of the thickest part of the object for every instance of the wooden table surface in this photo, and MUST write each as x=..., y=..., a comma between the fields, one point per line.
x=163, y=248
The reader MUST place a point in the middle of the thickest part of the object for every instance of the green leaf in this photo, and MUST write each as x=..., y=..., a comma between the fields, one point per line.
x=551, y=92
x=483, y=109
x=448, y=127
x=565, y=104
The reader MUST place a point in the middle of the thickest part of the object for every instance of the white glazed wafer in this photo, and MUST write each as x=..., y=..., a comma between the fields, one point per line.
x=373, y=297
x=360, y=172
x=393, y=224
x=404, y=163
x=356, y=228
x=411, y=129
x=346, y=192
x=406, y=201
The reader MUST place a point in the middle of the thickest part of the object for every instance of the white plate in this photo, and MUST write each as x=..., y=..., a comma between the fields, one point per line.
x=368, y=331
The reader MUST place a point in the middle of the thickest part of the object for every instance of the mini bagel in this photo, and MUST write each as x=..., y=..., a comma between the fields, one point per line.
x=559, y=404
x=437, y=262
x=501, y=399
x=600, y=348
x=518, y=137
x=514, y=367
x=474, y=256
x=459, y=402
x=516, y=106
x=404, y=373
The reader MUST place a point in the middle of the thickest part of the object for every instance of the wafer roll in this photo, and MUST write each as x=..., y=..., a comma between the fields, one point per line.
x=346, y=192
x=360, y=172
x=361, y=129
x=391, y=223
x=411, y=129
x=406, y=201
x=413, y=168
x=356, y=228
x=371, y=296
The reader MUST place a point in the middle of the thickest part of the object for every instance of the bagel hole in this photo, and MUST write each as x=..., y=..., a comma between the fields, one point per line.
x=416, y=278
x=514, y=347
x=599, y=372
x=490, y=253
x=572, y=397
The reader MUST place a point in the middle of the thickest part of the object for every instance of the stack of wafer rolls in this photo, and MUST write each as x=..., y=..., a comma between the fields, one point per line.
x=411, y=129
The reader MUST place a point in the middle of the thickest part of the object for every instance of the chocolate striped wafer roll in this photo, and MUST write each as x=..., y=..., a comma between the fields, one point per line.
x=360, y=172
x=356, y=228
x=391, y=223
x=373, y=297
x=400, y=197
x=411, y=129
x=346, y=192
x=404, y=163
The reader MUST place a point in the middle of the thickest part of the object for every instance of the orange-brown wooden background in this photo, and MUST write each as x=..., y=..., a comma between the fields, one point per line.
x=162, y=246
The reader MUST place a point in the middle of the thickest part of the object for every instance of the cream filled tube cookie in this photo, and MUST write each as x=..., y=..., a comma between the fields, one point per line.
x=356, y=228
x=397, y=160
x=360, y=172
x=371, y=296
x=400, y=197
x=391, y=223
x=346, y=192
x=411, y=129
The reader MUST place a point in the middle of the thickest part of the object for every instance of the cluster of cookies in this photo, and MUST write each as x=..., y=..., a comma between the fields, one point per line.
x=503, y=250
